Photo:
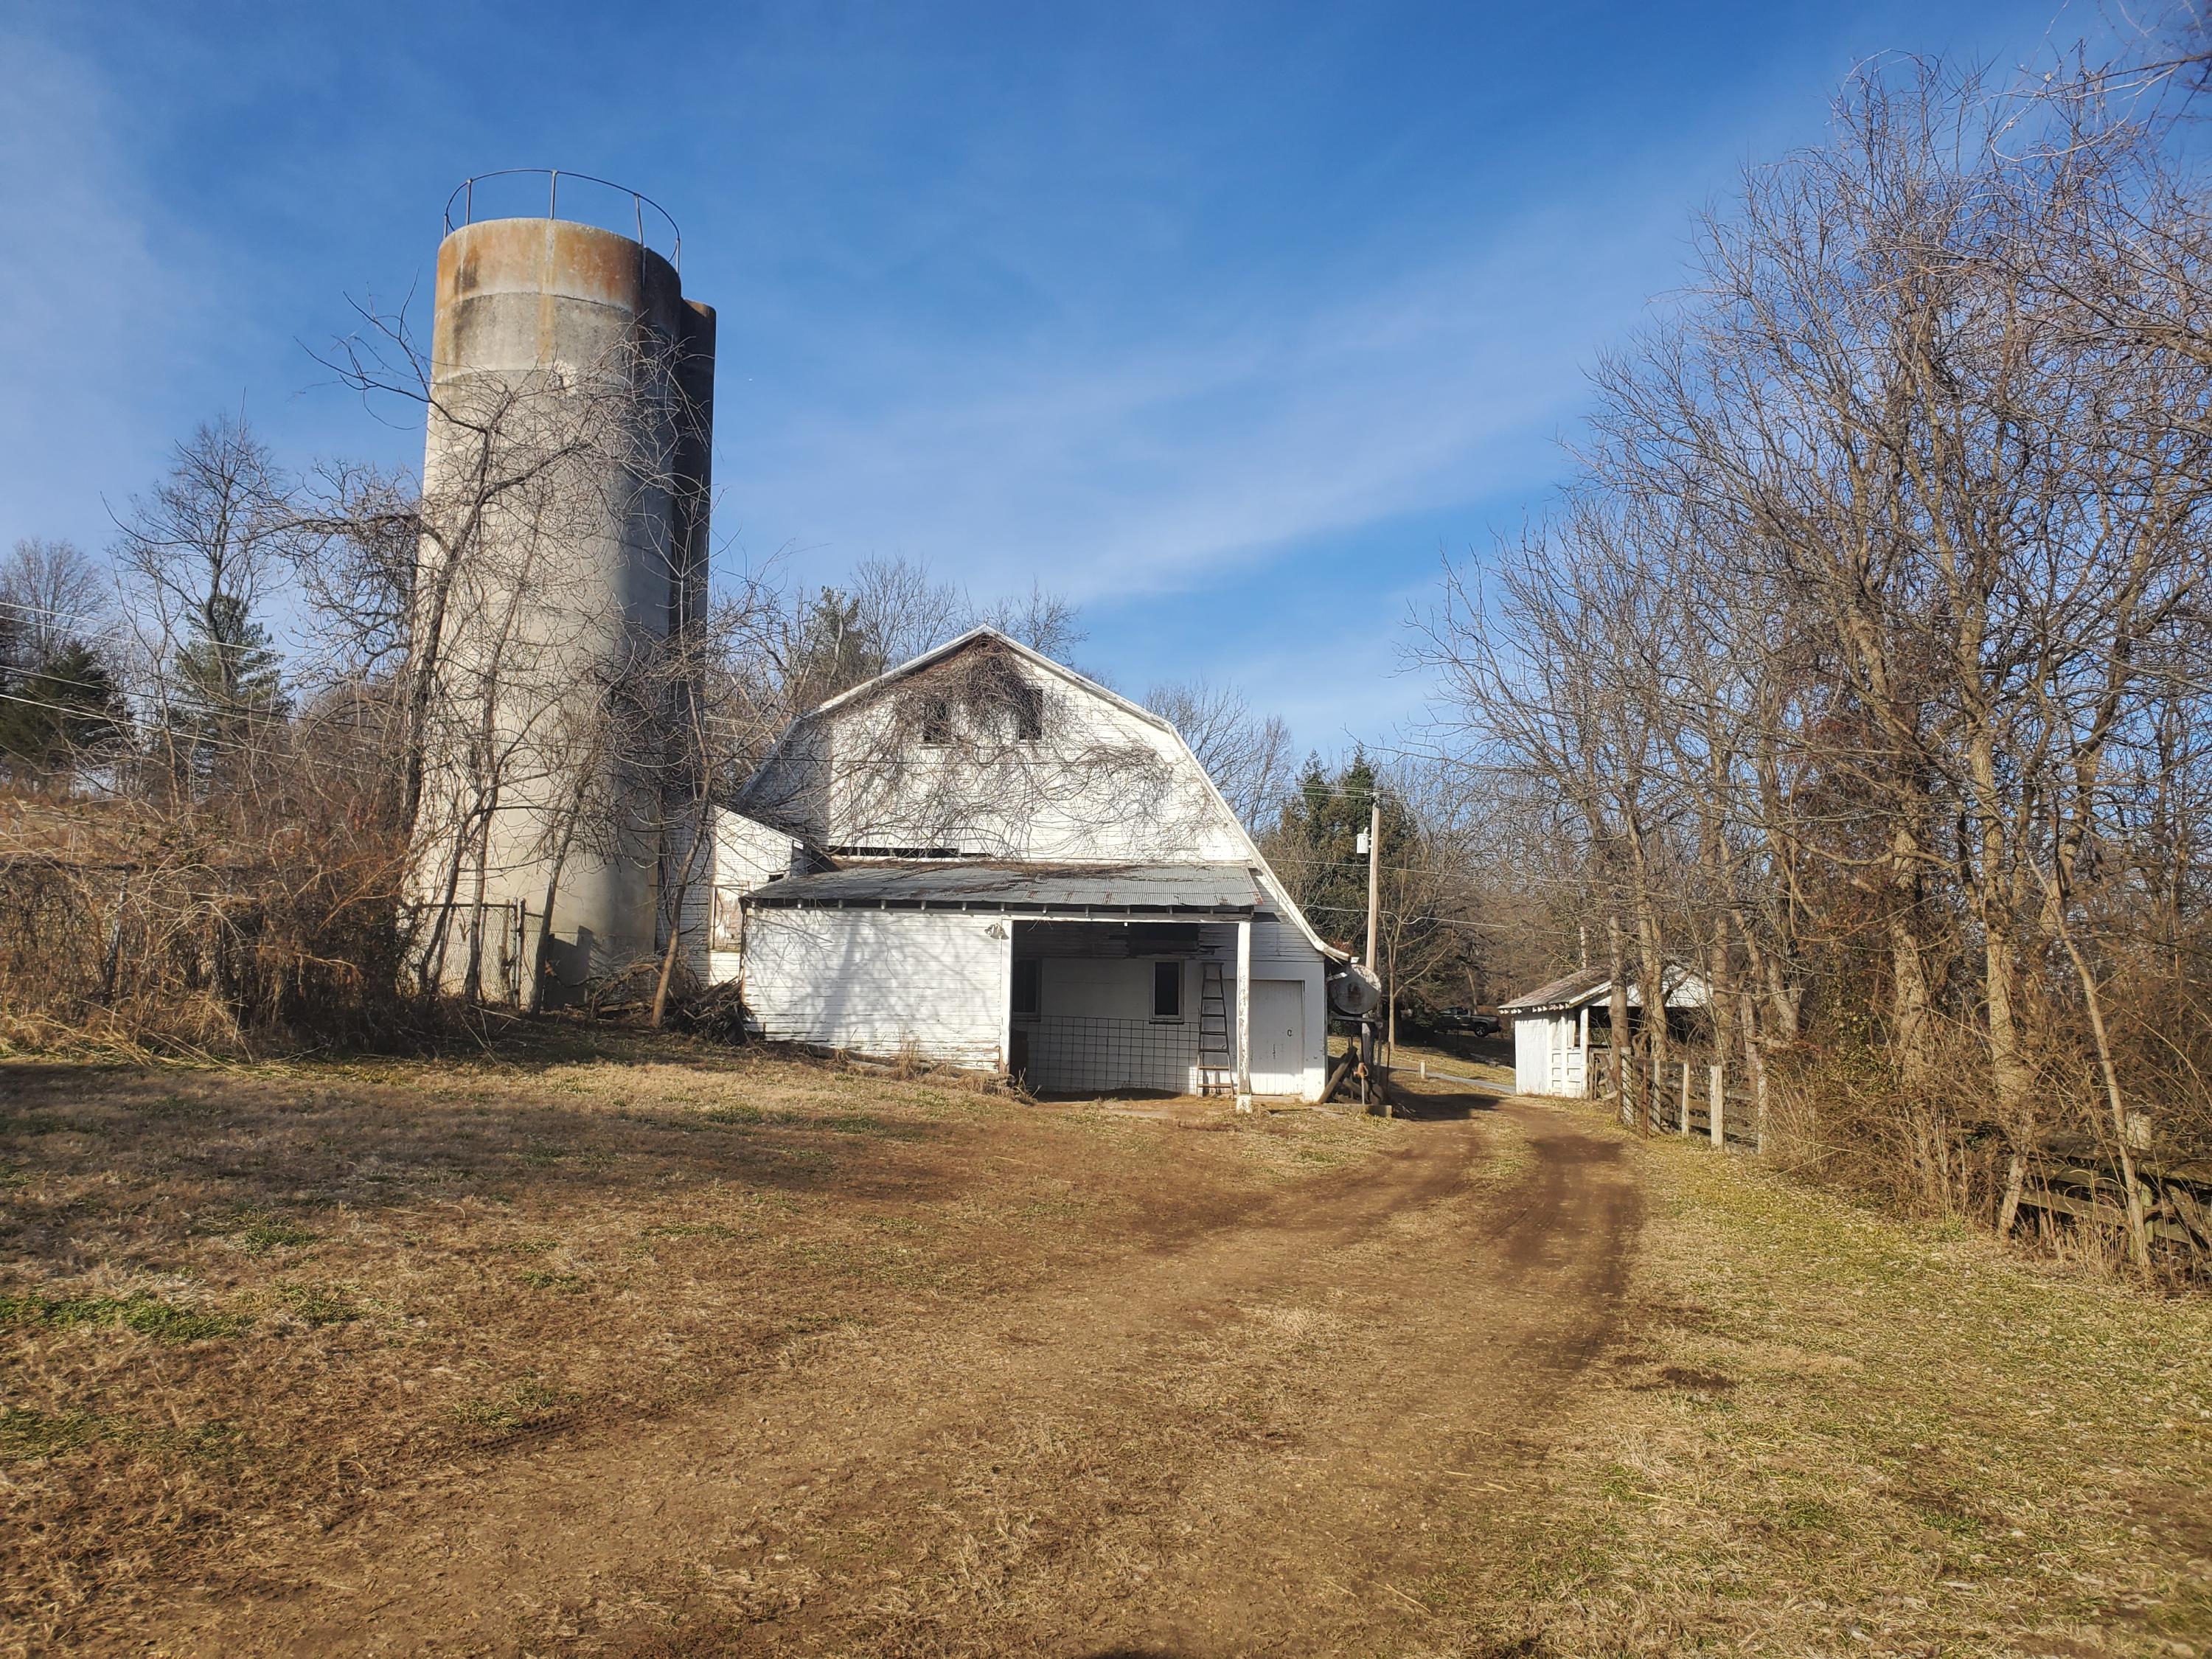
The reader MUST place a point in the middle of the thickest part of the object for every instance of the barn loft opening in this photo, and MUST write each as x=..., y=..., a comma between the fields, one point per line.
x=937, y=721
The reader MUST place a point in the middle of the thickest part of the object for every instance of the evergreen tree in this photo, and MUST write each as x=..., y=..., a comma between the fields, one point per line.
x=1315, y=847
x=229, y=682
x=57, y=715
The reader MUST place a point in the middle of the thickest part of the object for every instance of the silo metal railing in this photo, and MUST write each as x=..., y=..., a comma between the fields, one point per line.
x=465, y=194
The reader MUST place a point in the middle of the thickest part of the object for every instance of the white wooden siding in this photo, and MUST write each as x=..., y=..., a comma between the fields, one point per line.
x=880, y=981
x=1278, y=941
x=1546, y=1058
x=747, y=856
x=1101, y=785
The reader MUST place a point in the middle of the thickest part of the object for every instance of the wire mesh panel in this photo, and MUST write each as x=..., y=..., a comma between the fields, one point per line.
x=1071, y=1053
x=503, y=930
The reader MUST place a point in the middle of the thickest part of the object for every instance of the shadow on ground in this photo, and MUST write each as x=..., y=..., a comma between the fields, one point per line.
x=1435, y=1105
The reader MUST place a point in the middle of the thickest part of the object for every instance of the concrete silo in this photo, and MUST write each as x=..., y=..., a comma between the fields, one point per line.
x=565, y=476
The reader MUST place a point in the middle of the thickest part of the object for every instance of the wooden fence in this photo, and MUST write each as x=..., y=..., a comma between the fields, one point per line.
x=2077, y=1183
x=1686, y=1097
x=2085, y=1186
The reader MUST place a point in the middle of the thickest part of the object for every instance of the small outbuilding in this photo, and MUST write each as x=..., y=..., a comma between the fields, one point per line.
x=1557, y=1027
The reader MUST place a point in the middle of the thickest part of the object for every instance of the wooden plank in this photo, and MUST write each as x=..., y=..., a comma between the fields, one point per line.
x=2112, y=1215
x=1336, y=1078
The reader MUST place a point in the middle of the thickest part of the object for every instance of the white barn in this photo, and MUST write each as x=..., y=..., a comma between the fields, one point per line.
x=1553, y=1048
x=983, y=858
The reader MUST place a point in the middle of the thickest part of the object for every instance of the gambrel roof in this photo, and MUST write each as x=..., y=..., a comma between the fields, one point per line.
x=1039, y=878
x=953, y=648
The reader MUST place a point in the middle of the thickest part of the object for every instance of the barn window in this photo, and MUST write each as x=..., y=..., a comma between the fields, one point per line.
x=1028, y=714
x=936, y=721
x=1029, y=986
x=1167, y=990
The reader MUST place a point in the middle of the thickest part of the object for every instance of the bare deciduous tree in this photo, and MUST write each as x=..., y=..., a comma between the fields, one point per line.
x=1877, y=605
x=1248, y=755
x=51, y=595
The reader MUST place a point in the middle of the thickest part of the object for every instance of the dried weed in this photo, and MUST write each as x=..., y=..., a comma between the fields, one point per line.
x=239, y=1303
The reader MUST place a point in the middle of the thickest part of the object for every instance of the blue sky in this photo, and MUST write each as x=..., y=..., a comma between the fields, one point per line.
x=1230, y=321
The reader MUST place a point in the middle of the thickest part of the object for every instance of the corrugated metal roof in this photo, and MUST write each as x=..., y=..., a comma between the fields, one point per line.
x=1222, y=890
x=1568, y=991
x=1684, y=990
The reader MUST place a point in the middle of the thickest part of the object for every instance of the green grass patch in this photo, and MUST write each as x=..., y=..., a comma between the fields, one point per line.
x=172, y=1106
x=693, y=1230
x=1807, y=1515
x=148, y=1316
x=531, y=1401
x=26, y=1434
x=261, y=1232
x=746, y=1117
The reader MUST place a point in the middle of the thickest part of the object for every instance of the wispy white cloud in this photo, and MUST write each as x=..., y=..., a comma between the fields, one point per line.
x=1207, y=312
x=1158, y=462
x=95, y=290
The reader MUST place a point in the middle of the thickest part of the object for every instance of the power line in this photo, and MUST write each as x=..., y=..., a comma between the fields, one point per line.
x=195, y=740
x=1411, y=915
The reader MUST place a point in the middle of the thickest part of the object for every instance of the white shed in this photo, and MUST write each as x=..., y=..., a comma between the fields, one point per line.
x=1553, y=1047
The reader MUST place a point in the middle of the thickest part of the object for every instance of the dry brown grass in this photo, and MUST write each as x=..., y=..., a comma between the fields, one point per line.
x=604, y=1345
x=1832, y=1432
x=243, y=1303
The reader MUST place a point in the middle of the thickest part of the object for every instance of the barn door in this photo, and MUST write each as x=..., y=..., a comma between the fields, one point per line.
x=1278, y=1036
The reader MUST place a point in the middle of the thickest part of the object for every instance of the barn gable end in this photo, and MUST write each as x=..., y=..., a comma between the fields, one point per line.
x=1002, y=863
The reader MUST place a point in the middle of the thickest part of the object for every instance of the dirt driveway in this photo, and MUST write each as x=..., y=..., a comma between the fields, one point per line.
x=1291, y=1434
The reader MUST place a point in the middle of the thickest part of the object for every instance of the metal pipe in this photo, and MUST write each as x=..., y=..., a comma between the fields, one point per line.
x=464, y=192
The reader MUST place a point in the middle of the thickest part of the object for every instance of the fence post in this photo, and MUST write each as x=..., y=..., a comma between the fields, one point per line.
x=1685, y=1098
x=112, y=964
x=1715, y=1093
x=1619, y=1094
x=1758, y=1120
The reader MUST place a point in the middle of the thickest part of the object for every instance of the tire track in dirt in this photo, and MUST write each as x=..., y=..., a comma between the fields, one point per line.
x=1481, y=1316
x=1244, y=1442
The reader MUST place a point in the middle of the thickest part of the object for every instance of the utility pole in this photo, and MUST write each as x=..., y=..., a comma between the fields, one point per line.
x=1374, y=839
x=1374, y=849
